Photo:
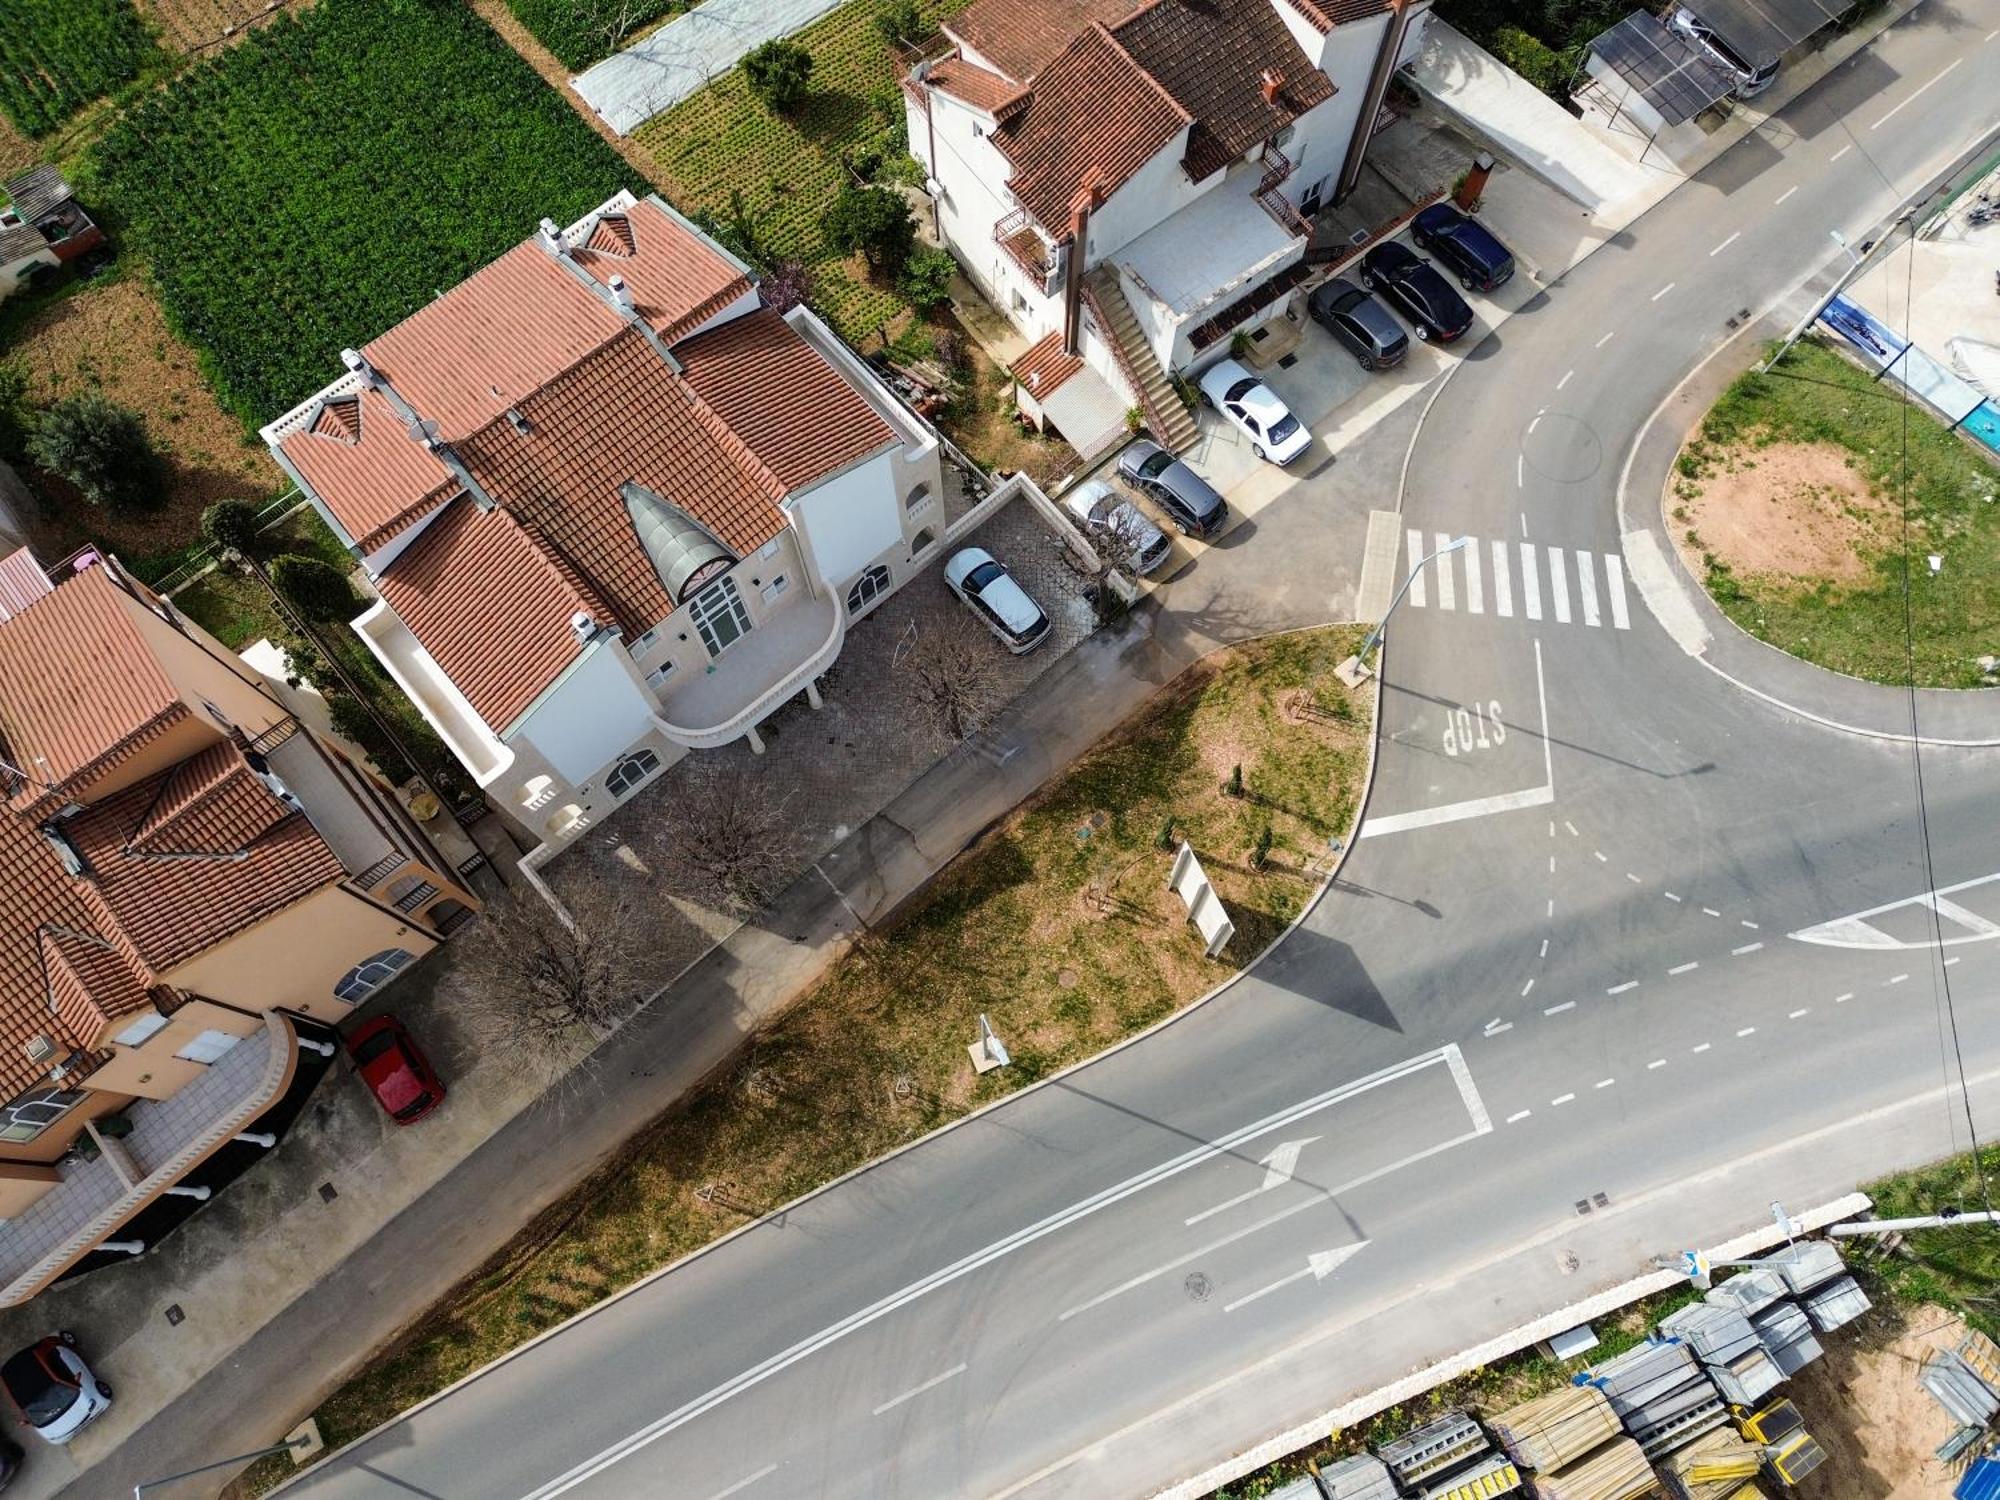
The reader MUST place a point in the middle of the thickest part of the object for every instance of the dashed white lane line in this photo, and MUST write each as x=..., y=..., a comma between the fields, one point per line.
x=1604, y=1083
x=1518, y=1116
x=1949, y=962
x=1658, y=1062
x=1526, y=987
x=1556, y=1010
x=1599, y=855
x=918, y=1390
x=1633, y=878
x=1785, y=194
x=1841, y=152
x=1843, y=999
x=1670, y=895
x=1565, y=380
x=1748, y=1031
x=1663, y=291
x=1709, y=911
x=1897, y=980
x=1702, y=1048
x=1571, y=827
x=1520, y=472
x=1496, y=1027
x=743, y=1484
x=1725, y=244
x=1607, y=338
x=1545, y=948
x=1919, y=92
x=1749, y=924
x=1684, y=968
x=1803, y=1010
x=1989, y=36
x=1619, y=989
x=1552, y=906
x=1552, y=864
x=1746, y=948
x=1564, y=1099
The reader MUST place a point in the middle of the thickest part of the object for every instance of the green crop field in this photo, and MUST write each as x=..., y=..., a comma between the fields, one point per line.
x=581, y=32
x=58, y=55
x=722, y=142
x=333, y=173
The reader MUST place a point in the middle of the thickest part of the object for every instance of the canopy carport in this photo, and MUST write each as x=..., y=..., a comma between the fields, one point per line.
x=1762, y=31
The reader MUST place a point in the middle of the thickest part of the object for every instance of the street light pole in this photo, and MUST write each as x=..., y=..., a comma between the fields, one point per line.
x=1855, y=264
x=1375, y=636
x=301, y=1440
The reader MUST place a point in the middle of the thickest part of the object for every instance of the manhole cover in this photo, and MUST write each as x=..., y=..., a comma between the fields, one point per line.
x=1561, y=447
x=1198, y=1287
x=1067, y=979
x=1566, y=1262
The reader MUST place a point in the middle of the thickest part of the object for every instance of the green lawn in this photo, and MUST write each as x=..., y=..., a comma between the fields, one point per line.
x=58, y=55
x=723, y=143
x=1958, y=1268
x=1057, y=925
x=1953, y=505
x=324, y=178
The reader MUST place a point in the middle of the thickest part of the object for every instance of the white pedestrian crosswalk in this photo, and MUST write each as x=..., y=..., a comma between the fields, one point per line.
x=1580, y=586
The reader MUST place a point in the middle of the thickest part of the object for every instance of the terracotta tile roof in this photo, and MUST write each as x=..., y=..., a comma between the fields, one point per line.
x=821, y=424
x=1045, y=365
x=1021, y=37
x=211, y=803
x=1211, y=56
x=1094, y=113
x=374, y=481
x=1341, y=12
x=491, y=606
x=22, y=582
x=677, y=279
x=33, y=892
x=78, y=684
x=91, y=982
x=975, y=85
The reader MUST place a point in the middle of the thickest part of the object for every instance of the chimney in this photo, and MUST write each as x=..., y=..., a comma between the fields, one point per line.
x=40, y=1048
x=548, y=234
x=621, y=293
x=357, y=362
x=583, y=626
x=1268, y=84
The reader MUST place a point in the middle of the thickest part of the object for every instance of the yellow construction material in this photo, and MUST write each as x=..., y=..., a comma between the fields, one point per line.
x=1713, y=1467
x=1731, y=1466
x=1977, y=1350
x=1502, y=1481
x=1557, y=1428
x=1778, y=1420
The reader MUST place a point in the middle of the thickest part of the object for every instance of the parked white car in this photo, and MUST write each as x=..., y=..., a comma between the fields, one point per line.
x=1107, y=515
x=982, y=581
x=1251, y=405
x=53, y=1389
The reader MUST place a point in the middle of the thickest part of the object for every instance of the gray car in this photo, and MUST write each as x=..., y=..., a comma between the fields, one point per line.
x=1189, y=501
x=1360, y=323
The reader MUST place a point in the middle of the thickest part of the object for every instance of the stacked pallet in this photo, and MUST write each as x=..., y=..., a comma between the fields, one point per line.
x=1661, y=1394
x=1956, y=1386
x=1836, y=1303
x=1617, y=1472
x=1450, y=1459
x=1786, y=1334
x=1363, y=1477
x=1483, y=1479
x=1805, y=1264
x=1716, y=1466
x=1556, y=1429
x=1728, y=1348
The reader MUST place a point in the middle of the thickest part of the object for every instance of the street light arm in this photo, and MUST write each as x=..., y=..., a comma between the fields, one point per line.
x=1375, y=635
x=301, y=1441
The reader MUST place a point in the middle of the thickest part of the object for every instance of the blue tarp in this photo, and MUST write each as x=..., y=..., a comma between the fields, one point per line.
x=1980, y=1482
x=1938, y=388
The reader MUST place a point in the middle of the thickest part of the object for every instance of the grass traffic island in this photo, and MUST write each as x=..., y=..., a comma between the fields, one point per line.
x=1788, y=503
x=1057, y=925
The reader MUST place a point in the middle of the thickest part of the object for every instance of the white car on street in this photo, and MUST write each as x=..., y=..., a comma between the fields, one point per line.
x=1248, y=403
x=1118, y=525
x=52, y=1390
x=982, y=581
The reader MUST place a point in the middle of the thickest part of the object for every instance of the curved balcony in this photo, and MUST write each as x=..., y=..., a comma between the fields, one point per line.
x=754, y=677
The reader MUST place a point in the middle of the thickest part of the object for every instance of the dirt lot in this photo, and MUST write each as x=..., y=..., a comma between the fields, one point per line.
x=1863, y=1403
x=16, y=152
x=111, y=337
x=1798, y=511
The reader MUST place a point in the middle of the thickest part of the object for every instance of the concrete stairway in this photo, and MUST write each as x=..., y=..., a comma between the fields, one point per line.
x=1167, y=417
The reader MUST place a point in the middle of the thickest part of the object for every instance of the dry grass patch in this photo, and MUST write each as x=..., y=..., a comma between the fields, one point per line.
x=1056, y=924
x=1799, y=511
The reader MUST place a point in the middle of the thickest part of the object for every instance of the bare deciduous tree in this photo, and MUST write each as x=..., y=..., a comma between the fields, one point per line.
x=955, y=677
x=729, y=833
x=541, y=993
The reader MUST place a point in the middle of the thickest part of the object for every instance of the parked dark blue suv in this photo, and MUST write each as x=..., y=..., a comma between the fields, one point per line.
x=1466, y=247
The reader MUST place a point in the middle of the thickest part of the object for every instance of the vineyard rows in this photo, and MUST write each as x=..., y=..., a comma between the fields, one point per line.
x=580, y=32
x=58, y=55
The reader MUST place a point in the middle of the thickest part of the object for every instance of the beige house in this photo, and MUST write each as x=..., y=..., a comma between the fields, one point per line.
x=194, y=891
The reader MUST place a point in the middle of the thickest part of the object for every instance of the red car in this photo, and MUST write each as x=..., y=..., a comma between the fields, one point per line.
x=395, y=1069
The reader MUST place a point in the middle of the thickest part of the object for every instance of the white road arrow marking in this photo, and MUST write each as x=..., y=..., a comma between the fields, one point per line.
x=1278, y=1167
x=1320, y=1264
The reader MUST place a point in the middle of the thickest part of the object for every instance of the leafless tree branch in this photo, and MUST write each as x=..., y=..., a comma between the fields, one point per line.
x=730, y=834
x=955, y=680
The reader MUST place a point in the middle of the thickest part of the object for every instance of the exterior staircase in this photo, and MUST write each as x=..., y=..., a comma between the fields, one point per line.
x=1167, y=417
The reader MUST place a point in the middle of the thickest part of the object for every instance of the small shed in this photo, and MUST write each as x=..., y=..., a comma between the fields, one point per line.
x=42, y=224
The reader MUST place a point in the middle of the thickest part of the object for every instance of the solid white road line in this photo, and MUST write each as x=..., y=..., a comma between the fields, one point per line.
x=936, y=1380
x=1556, y=1010
x=1518, y=1116
x=1619, y=989
x=743, y=1484
x=1614, y=587
x=1416, y=574
x=1746, y=948
x=1920, y=91
x=1447, y=584
x=1683, y=968
x=1663, y=291
x=1559, y=585
x=1457, y=812
x=1725, y=244
x=1503, y=583
x=1586, y=588
x=1565, y=1099
x=1475, y=588
x=1195, y=1156
x=1531, y=582
x=1840, y=153
x=1548, y=745
x=1951, y=911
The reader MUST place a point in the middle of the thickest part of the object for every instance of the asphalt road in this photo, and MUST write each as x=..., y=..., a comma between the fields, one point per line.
x=1391, y=1137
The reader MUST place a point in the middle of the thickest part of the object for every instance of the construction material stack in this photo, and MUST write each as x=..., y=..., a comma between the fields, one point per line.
x=1618, y=1471
x=1956, y=1386
x=1362, y=1477
x=1550, y=1431
x=1728, y=1348
x=1786, y=1334
x=1750, y=1293
x=1661, y=1394
x=1718, y=1465
x=1450, y=1459
x=1789, y=1451
x=1836, y=1303
x=1805, y=1264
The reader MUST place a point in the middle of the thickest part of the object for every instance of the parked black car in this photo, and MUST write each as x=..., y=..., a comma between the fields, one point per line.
x=1467, y=247
x=1359, y=322
x=1188, y=499
x=1413, y=284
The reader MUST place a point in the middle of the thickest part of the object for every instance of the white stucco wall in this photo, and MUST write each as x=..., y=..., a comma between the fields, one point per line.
x=1156, y=190
x=589, y=716
x=851, y=518
x=1319, y=145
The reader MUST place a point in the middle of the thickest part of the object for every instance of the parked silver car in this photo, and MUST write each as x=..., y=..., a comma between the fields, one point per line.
x=982, y=581
x=1118, y=526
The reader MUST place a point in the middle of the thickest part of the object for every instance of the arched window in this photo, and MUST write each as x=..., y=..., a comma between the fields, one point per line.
x=630, y=771
x=922, y=542
x=917, y=499
x=868, y=588
x=368, y=976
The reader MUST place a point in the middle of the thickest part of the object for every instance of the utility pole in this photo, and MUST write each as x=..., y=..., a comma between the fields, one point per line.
x=1841, y=283
x=1946, y=1220
x=1355, y=668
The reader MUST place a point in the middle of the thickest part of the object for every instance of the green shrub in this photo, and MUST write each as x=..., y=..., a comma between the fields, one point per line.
x=383, y=148
x=17, y=419
x=901, y=23
x=1533, y=59
x=58, y=55
x=926, y=278
x=314, y=589
x=581, y=32
x=778, y=73
x=231, y=524
x=874, y=222
x=102, y=449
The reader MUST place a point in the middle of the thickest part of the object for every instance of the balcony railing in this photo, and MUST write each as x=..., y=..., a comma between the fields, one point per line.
x=1028, y=250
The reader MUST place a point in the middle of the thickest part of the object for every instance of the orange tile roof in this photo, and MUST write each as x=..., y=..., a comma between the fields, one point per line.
x=677, y=279
x=373, y=481
x=78, y=684
x=975, y=85
x=821, y=422
x=91, y=982
x=1094, y=113
x=22, y=582
x=33, y=892
x=1045, y=365
x=1021, y=37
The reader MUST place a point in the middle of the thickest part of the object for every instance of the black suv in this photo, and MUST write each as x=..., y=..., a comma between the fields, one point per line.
x=1359, y=322
x=1468, y=248
x=1190, y=502
x=1413, y=284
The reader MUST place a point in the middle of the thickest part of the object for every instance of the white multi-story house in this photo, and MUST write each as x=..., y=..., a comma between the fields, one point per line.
x=614, y=507
x=1133, y=183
